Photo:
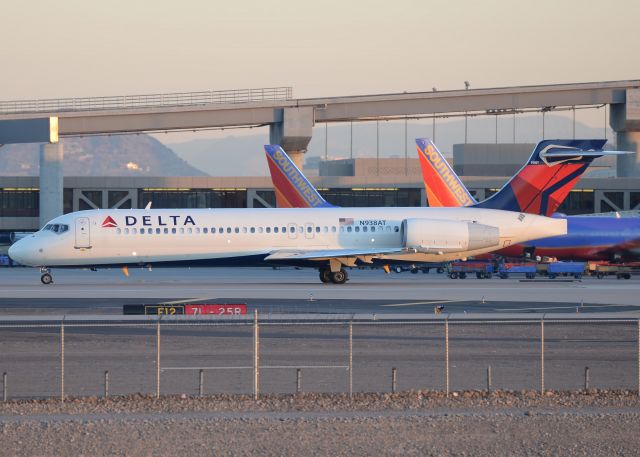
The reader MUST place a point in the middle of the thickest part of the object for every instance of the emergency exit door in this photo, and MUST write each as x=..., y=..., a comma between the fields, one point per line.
x=83, y=235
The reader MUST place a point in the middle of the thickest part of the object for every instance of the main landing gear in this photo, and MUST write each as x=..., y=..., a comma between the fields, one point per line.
x=336, y=277
x=46, y=277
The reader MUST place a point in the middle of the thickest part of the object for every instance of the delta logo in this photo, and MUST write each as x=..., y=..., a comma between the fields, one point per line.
x=109, y=222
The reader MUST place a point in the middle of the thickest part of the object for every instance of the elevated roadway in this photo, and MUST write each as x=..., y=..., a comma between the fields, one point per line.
x=145, y=113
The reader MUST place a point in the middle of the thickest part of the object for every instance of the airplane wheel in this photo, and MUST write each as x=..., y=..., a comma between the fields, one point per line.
x=453, y=275
x=325, y=275
x=339, y=277
x=440, y=270
x=46, y=278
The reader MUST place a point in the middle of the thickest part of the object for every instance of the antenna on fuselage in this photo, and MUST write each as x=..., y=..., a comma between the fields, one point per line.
x=148, y=206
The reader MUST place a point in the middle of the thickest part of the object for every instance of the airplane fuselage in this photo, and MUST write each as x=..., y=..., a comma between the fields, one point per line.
x=247, y=236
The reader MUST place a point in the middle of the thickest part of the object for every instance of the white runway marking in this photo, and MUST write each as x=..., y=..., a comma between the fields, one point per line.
x=567, y=307
x=433, y=302
x=176, y=302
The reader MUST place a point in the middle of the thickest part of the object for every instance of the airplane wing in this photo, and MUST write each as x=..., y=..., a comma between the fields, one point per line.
x=324, y=254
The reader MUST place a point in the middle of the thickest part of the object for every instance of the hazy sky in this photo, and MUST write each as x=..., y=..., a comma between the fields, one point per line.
x=328, y=47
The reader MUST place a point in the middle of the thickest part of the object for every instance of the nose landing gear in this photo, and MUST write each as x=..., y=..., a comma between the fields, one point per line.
x=46, y=277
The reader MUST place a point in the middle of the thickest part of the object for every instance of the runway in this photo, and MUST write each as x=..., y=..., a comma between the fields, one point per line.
x=292, y=290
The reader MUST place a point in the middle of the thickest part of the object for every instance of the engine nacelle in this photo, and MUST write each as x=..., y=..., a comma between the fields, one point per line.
x=440, y=236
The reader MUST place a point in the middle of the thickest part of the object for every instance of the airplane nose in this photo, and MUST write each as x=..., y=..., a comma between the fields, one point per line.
x=14, y=252
x=19, y=253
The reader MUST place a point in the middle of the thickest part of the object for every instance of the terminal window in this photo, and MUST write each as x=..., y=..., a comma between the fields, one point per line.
x=19, y=203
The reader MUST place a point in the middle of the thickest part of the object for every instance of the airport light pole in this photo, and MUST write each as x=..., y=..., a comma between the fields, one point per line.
x=433, y=128
x=351, y=140
x=326, y=140
x=377, y=147
x=406, y=158
x=467, y=84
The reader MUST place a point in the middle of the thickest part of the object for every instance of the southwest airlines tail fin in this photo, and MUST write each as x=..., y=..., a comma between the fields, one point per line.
x=443, y=186
x=292, y=188
x=540, y=187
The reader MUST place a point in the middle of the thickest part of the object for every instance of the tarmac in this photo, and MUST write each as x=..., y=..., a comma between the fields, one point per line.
x=293, y=290
x=31, y=355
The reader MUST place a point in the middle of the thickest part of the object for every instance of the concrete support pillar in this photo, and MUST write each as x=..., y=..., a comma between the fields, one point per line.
x=297, y=157
x=625, y=121
x=51, y=182
x=293, y=131
x=629, y=164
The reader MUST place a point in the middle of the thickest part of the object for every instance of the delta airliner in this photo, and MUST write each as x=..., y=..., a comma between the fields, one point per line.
x=324, y=238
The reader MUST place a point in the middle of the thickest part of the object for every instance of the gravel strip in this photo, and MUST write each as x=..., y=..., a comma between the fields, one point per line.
x=407, y=423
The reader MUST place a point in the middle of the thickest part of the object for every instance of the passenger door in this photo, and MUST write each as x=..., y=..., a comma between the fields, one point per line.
x=83, y=235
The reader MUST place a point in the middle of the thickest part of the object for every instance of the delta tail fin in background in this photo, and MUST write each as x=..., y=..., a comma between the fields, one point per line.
x=292, y=188
x=539, y=187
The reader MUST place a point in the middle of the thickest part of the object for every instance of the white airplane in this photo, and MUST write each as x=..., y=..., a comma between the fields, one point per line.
x=324, y=238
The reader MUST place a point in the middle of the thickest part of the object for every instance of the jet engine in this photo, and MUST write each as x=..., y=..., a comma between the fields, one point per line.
x=440, y=236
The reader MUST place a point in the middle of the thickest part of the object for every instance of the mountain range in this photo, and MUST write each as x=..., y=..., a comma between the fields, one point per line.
x=115, y=155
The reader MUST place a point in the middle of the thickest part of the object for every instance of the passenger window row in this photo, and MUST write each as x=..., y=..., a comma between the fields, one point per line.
x=229, y=230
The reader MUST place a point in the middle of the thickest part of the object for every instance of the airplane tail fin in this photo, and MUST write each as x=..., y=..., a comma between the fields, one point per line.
x=551, y=172
x=443, y=186
x=292, y=188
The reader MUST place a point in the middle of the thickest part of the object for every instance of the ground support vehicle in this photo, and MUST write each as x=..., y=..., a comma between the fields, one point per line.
x=482, y=270
x=417, y=268
x=575, y=269
x=507, y=269
x=620, y=271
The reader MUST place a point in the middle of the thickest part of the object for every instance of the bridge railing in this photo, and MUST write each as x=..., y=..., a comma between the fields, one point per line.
x=146, y=101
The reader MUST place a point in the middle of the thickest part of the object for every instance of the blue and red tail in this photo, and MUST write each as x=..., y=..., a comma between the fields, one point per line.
x=544, y=182
x=292, y=188
x=539, y=187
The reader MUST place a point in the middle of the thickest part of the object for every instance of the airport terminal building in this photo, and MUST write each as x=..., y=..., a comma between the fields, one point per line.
x=348, y=182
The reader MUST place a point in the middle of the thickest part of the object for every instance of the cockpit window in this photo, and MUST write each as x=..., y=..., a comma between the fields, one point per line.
x=56, y=228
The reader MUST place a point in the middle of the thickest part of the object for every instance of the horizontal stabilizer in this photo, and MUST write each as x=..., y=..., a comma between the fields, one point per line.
x=578, y=153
